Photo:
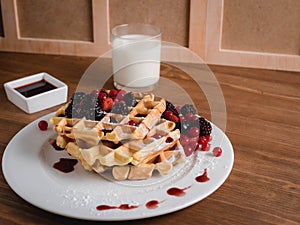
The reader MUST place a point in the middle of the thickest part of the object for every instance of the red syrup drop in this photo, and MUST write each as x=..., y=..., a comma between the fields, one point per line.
x=203, y=177
x=122, y=207
x=153, y=204
x=65, y=165
x=55, y=146
x=177, y=191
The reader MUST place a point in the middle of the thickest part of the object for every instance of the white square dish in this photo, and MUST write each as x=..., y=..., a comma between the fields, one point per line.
x=36, y=92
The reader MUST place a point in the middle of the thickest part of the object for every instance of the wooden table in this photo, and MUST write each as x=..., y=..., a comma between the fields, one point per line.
x=263, y=124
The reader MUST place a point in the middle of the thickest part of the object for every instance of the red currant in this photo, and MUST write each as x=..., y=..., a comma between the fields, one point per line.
x=121, y=94
x=188, y=150
x=208, y=138
x=102, y=96
x=205, y=146
x=132, y=123
x=217, y=151
x=95, y=92
x=168, y=114
x=202, y=140
x=43, y=125
x=194, y=132
x=113, y=94
x=193, y=144
x=190, y=117
x=184, y=140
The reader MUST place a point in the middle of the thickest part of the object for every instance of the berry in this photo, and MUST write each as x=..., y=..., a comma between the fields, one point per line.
x=113, y=94
x=95, y=92
x=194, y=132
x=132, y=123
x=168, y=114
x=121, y=94
x=205, y=146
x=78, y=96
x=102, y=96
x=187, y=109
x=202, y=140
x=217, y=151
x=193, y=143
x=184, y=140
x=205, y=127
x=188, y=150
x=171, y=107
x=43, y=125
x=129, y=99
x=107, y=104
x=174, y=118
x=120, y=108
x=191, y=117
x=89, y=101
x=99, y=114
x=68, y=110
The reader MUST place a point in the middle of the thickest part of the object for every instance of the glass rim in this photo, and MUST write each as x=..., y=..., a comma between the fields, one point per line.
x=152, y=36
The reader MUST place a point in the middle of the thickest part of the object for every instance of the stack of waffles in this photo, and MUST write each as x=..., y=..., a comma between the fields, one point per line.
x=113, y=144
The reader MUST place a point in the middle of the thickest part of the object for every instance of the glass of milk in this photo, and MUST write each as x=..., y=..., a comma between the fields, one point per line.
x=136, y=56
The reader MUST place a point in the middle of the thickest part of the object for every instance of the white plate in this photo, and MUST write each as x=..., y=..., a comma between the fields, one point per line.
x=28, y=168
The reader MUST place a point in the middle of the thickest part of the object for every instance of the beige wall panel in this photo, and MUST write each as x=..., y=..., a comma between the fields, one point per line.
x=172, y=16
x=56, y=19
x=262, y=26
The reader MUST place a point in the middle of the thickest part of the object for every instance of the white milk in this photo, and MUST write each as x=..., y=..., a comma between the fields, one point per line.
x=136, y=60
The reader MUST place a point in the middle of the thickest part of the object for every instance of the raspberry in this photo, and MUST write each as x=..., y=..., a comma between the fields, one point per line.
x=107, y=104
x=43, y=125
x=187, y=109
x=205, y=127
x=174, y=118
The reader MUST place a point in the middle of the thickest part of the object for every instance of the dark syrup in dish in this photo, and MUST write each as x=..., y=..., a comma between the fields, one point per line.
x=35, y=88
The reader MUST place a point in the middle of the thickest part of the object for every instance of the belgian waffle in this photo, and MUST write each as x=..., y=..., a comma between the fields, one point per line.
x=130, y=151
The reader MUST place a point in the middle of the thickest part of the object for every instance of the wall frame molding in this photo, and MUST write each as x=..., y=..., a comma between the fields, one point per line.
x=12, y=40
x=206, y=24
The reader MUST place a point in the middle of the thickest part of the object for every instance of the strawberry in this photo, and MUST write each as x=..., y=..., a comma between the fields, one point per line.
x=107, y=104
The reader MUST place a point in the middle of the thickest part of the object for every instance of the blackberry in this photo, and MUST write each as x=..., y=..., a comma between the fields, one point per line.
x=68, y=110
x=89, y=113
x=78, y=96
x=130, y=99
x=120, y=108
x=188, y=109
x=77, y=112
x=205, y=127
x=90, y=101
x=99, y=114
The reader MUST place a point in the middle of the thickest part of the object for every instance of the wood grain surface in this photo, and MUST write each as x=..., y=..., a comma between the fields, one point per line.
x=263, y=124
